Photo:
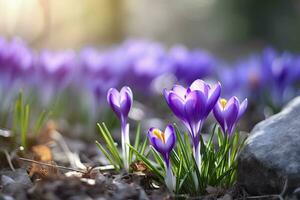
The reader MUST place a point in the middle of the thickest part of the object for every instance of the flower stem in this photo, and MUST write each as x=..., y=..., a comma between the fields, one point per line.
x=125, y=142
x=197, y=156
x=169, y=180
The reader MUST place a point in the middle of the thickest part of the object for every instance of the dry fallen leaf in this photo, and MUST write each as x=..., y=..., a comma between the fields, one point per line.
x=139, y=166
x=42, y=153
x=44, y=171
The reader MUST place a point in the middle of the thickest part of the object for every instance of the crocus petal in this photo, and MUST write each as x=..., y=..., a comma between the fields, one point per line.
x=113, y=99
x=166, y=95
x=127, y=90
x=242, y=108
x=218, y=114
x=113, y=96
x=159, y=145
x=177, y=105
x=180, y=91
x=170, y=137
x=230, y=112
x=195, y=106
x=125, y=100
x=213, y=96
x=200, y=85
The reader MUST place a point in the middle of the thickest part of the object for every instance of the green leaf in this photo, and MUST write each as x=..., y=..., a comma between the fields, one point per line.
x=136, y=142
x=143, y=147
x=24, y=125
x=178, y=176
x=110, y=144
x=137, y=136
x=157, y=157
x=106, y=154
x=40, y=121
x=182, y=146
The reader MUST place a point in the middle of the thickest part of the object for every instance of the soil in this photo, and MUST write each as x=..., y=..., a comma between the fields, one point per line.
x=59, y=167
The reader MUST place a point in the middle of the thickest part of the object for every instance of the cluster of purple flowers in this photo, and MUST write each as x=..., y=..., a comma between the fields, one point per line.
x=268, y=77
x=191, y=106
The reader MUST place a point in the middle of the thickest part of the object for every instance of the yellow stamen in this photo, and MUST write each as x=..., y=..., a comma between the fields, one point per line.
x=223, y=102
x=160, y=135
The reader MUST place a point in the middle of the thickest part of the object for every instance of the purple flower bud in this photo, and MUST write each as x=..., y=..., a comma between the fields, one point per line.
x=228, y=113
x=120, y=102
x=163, y=142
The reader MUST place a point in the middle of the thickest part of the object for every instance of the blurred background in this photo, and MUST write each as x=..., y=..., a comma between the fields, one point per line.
x=226, y=28
x=66, y=54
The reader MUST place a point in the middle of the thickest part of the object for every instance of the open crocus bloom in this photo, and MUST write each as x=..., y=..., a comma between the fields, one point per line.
x=228, y=113
x=192, y=106
x=164, y=142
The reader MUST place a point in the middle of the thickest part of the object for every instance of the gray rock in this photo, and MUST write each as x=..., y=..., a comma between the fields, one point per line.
x=15, y=184
x=272, y=153
x=18, y=176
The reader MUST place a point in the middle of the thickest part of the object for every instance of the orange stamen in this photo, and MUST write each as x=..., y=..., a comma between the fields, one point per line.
x=223, y=102
x=160, y=135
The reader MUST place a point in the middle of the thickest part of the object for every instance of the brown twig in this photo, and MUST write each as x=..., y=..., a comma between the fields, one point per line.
x=265, y=196
x=50, y=165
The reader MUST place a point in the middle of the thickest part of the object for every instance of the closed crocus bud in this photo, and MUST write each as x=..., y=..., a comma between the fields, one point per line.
x=228, y=113
x=121, y=103
x=164, y=142
x=192, y=106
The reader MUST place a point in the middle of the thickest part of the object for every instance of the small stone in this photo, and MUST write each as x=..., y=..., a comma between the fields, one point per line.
x=296, y=193
x=226, y=197
x=18, y=176
x=6, y=180
x=6, y=197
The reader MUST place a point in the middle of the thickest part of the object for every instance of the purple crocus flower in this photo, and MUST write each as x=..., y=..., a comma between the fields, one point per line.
x=120, y=103
x=192, y=106
x=54, y=70
x=96, y=75
x=56, y=66
x=282, y=70
x=190, y=65
x=164, y=142
x=144, y=61
x=16, y=63
x=228, y=113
